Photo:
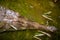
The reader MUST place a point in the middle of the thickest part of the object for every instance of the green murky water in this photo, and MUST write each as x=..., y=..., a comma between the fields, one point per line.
x=33, y=10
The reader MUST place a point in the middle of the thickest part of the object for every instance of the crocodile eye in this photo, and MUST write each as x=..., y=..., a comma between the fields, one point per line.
x=8, y=12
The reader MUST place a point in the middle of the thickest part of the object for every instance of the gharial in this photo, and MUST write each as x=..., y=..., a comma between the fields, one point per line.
x=11, y=19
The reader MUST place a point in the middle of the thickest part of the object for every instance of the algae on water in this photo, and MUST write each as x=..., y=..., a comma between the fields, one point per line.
x=33, y=10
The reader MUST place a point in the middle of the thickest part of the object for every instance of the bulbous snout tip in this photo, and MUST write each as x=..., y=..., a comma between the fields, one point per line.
x=52, y=28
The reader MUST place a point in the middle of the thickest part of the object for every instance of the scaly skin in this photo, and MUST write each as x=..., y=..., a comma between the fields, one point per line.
x=18, y=22
x=12, y=19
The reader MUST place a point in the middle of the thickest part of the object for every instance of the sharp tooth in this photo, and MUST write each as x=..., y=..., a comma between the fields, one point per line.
x=45, y=33
x=13, y=27
x=47, y=17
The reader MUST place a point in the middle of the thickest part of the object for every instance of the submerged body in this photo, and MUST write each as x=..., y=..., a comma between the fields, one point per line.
x=18, y=22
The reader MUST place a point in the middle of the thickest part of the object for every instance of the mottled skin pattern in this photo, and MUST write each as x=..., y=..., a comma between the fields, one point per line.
x=10, y=19
x=18, y=22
